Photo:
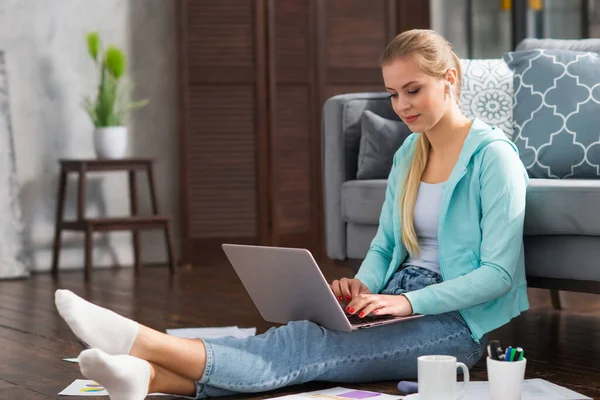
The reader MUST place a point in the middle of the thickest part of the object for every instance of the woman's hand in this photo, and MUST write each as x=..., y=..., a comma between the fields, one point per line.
x=380, y=304
x=347, y=289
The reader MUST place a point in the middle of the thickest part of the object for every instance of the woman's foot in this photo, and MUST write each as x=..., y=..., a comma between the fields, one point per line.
x=124, y=377
x=97, y=327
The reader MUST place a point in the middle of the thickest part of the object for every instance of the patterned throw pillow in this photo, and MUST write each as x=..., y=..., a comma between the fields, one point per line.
x=557, y=112
x=487, y=93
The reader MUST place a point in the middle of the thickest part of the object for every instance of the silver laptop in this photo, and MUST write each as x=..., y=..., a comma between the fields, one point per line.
x=286, y=285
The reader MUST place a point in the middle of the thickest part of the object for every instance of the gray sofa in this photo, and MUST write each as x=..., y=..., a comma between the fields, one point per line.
x=562, y=222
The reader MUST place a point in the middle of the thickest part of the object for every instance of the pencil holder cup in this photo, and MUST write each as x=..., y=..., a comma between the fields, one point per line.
x=506, y=378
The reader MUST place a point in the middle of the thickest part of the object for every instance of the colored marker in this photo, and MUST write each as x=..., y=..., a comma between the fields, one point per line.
x=518, y=354
x=494, y=350
x=507, y=354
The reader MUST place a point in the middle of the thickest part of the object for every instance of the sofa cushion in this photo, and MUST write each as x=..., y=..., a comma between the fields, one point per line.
x=351, y=119
x=554, y=207
x=557, y=112
x=359, y=239
x=562, y=207
x=379, y=141
x=362, y=200
x=487, y=93
x=563, y=257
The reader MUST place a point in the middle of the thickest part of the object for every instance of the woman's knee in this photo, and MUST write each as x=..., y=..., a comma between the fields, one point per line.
x=477, y=353
x=303, y=327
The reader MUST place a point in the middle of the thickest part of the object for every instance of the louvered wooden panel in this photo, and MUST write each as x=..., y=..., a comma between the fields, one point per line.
x=222, y=159
x=333, y=90
x=220, y=33
x=291, y=159
x=294, y=156
x=413, y=14
x=291, y=36
x=252, y=91
x=225, y=110
x=356, y=32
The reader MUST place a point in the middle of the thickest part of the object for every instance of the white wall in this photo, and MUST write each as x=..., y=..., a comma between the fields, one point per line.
x=49, y=72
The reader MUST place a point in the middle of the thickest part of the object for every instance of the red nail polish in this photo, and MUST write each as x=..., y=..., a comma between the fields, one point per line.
x=348, y=309
x=361, y=314
x=341, y=298
x=351, y=310
x=348, y=297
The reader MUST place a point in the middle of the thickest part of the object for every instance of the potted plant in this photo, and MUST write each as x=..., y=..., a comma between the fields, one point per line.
x=111, y=105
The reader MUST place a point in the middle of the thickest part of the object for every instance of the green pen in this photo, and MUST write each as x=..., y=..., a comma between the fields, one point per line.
x=513, y=352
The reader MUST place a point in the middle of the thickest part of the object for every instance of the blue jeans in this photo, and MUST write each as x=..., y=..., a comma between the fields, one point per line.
x=303, y=351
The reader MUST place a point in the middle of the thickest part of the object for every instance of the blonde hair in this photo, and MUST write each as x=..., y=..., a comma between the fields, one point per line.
x=434, y=55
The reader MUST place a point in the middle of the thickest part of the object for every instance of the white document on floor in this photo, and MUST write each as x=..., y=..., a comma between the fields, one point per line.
x=340, y=393
x=83, y=387
x=212, y=332
x=533, y=389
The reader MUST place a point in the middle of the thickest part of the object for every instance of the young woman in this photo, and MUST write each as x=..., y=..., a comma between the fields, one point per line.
x=449, y=246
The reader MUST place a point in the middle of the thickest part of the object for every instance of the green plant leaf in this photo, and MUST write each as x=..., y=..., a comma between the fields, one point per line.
x=90, y=108
x=114, y=59
x=93, y=44
x=112, y=102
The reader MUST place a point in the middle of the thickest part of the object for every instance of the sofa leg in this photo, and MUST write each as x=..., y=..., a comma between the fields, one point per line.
x=555, y=297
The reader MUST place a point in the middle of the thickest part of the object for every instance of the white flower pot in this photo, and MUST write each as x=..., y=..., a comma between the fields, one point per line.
x=111, y=142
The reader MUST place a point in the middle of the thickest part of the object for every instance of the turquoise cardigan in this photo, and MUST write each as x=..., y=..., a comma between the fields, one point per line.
x=480, y=234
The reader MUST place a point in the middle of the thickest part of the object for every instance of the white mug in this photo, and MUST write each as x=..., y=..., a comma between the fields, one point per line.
x=437, y=378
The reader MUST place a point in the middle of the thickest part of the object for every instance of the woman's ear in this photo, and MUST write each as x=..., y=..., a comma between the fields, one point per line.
x=451, y=76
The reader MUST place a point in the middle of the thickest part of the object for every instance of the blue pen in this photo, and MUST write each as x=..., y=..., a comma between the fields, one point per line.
x=507, y=354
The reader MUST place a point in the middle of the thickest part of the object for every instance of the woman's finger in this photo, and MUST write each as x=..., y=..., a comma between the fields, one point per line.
x=345, y=289
x=335, y=286
x=355, y=286
x=372, y=306
x=360, y=302
x=383, y=310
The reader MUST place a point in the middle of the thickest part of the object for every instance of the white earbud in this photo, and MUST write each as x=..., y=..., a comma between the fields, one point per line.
x=450, y=91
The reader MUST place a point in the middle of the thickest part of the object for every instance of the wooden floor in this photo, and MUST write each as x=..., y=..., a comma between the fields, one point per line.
x=561, y=346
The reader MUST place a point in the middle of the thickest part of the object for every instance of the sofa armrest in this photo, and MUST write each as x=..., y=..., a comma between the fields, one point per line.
x=341, y=131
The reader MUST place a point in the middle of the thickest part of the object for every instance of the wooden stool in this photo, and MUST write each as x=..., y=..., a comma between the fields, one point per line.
x=135, y=222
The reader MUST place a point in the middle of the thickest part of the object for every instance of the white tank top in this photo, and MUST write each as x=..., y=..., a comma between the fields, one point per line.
x=426, y=220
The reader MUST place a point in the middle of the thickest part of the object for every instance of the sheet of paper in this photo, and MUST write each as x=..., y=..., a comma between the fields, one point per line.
x=340, y=393
x=212, y=332
x=83, y=387
x=533, y=389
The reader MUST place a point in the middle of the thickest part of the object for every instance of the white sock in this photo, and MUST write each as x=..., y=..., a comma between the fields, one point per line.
x=96, y=326
x=124, y=377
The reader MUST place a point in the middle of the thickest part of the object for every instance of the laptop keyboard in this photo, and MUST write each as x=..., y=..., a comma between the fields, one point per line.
x=355, y=319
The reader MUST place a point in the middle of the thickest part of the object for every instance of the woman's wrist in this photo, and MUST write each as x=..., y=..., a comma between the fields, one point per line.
x=409, y=304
